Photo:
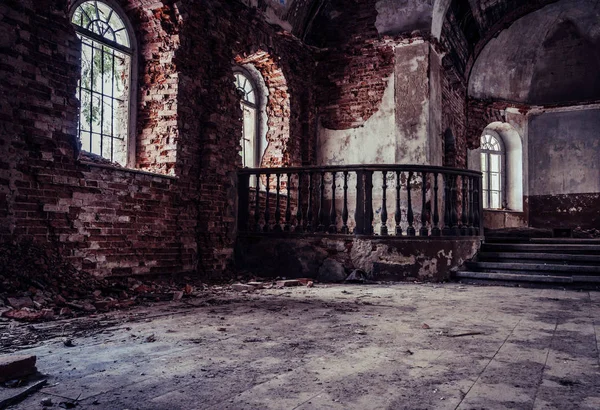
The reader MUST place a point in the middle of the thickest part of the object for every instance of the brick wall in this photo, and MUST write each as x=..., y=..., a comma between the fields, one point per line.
x=115, y=221
x=354, y=64
x=454, y=88
x=454, y=95
x=481, y=114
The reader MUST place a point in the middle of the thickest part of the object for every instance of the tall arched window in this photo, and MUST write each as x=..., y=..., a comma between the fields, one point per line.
x=492, y=167
x=105, y=87
x=250, y=140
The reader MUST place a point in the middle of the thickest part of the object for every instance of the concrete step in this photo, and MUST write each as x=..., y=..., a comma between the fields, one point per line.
x=513, y=277
x=573, y=241
x=522, y=256
x=527, y=257
x=520, y=277
x=543, y=248
x=535, y=267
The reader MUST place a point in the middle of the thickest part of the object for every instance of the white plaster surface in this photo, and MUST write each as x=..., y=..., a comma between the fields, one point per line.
x=372, y=143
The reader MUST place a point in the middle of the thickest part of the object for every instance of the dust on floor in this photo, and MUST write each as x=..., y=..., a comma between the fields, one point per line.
x=403, y=346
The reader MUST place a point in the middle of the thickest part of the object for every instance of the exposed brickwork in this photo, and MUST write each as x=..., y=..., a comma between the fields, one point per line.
x=455, y=42
x=480, y=114
x=454, y=118
x=211, y=40
x=113, y=221
x=354, y=69
x=156, y=27
x=278, y=151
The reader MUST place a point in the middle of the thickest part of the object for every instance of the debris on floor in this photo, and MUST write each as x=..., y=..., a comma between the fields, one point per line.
x=12, y=395
x=16, y=366
x=39, y=285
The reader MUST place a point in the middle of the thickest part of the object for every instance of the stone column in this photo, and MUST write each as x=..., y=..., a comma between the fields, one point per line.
x=418, y=100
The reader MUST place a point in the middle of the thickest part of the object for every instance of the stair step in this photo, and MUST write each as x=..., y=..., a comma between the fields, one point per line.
x=544, y=248
x=517, y=240
x=575, y=241
x=517, y=277
x=513, y=277
x=527, y=256
x=536, y=267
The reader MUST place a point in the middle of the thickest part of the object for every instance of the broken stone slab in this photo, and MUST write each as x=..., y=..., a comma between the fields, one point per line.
x=14, y=367
x=20, y=302
x=240, y=287
x=9, y=397
x=304, y=281
x=29, y=315
x=287, y=283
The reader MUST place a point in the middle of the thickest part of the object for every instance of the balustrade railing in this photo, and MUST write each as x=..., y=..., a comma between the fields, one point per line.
x=427, y=200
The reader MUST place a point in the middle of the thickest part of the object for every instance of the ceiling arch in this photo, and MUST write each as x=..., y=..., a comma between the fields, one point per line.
x=550, y=56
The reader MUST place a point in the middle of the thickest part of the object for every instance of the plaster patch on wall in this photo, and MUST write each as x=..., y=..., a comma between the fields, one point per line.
x=397, y=16
x=428, y=268
x=365, y=253
x=374, y=142
x=412, y=91
x=442, y=254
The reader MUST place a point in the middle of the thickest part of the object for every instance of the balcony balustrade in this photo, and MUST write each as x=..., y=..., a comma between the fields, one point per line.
x=423, y=201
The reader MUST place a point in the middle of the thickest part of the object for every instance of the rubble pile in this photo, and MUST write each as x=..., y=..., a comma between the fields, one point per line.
x=37, y=284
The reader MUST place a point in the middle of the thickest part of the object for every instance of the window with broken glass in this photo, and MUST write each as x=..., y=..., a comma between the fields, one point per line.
x=249, y=142
x=492, y=167
x=104, y=89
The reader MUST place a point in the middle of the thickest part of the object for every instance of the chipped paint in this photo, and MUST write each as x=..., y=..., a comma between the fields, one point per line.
x=390, y=258
x=372, y=143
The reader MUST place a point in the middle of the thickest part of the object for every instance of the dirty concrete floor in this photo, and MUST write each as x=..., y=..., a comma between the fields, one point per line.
x=339, y=347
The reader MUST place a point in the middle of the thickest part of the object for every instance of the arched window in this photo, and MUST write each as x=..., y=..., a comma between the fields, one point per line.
x=105, y=87
x=492, y=167
x=250, y=140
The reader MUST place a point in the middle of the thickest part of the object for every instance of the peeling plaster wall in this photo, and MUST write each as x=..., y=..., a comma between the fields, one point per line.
x=564, y=169
x=332, y=259
x=406, y=127
x=564, y=152
x=418, y=105
x=372, y=143
x=397, y=16
x=549, y=56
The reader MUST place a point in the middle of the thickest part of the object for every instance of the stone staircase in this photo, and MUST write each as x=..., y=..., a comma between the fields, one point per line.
x=555, y=261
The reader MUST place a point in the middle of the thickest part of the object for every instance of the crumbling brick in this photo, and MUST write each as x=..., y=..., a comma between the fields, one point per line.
x=14, y=367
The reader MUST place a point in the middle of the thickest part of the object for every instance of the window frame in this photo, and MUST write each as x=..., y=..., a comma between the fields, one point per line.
x=132, y=51
x=487, y=173
x=258, y=151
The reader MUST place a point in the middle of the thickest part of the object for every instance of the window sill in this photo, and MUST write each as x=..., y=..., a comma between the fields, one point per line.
x=124, y=169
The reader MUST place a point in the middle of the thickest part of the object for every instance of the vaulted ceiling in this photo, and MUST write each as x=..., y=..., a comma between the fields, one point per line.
x=550, y=56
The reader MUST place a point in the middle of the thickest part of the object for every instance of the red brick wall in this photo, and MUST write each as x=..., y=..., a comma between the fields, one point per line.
x=454, y=95
x=354, y=65
x=114, y=221
x=481, y=114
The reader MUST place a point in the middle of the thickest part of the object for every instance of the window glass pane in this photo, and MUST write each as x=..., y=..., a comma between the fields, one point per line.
x=101, y=19
x=244, y=84
x=490, y=143
x=249, y=137
x=495, y=198
x=494, y=163
x=484, y=162
x=484, y=181
x=495, y=181
x=104, y=86
x=485, y=198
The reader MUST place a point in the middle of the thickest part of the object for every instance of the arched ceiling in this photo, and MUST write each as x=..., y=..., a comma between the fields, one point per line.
x=550, y=56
